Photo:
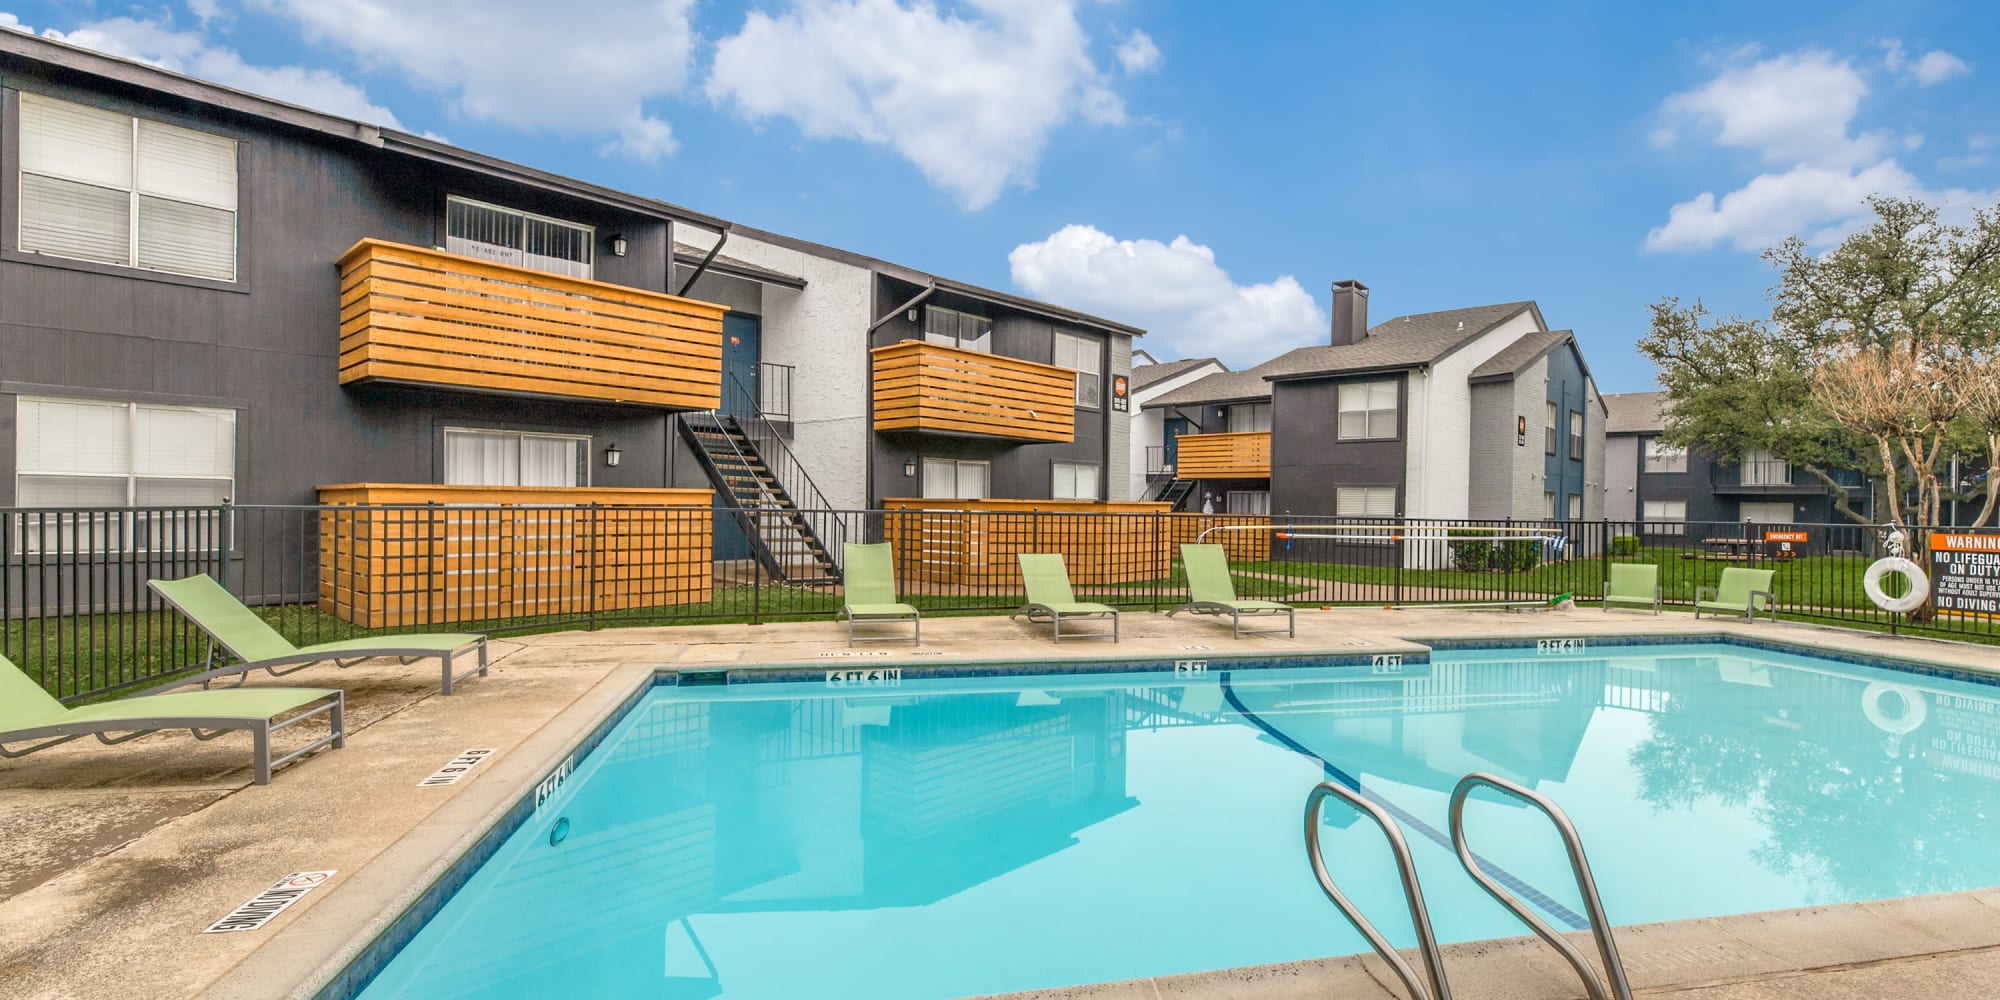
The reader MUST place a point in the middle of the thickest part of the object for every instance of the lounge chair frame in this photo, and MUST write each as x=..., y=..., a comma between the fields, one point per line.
x=1628, y=600
x=203, y=728
x=859, y=562
x=1237, y=610
x=916, y=621
x=1705, y=600
x=304, y=657
x=1041, y=612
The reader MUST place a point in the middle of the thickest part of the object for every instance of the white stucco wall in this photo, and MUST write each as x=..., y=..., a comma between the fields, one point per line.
x=1118, y=429
x=1149, y=426
x=1440, y=445
x=1594, y=458
x=823, y=332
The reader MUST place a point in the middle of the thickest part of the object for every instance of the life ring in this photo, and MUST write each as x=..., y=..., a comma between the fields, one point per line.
x=1894, y=708
x=1920, y=585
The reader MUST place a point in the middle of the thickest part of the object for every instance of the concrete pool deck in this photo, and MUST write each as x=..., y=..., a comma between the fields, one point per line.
x=114, y=859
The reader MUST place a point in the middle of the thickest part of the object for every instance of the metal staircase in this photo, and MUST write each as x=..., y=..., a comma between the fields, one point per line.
x=1176, y=493
x=750, y=467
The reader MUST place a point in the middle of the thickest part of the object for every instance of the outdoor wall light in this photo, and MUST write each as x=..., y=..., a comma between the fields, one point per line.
x=611, y=455
x=617, y=246
x=909, y=468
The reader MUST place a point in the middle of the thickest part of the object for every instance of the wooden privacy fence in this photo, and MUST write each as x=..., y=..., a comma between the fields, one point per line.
x=407, y=555
x=408, y=314
x=930, y=387
x=974, y=542
x=1244, y=455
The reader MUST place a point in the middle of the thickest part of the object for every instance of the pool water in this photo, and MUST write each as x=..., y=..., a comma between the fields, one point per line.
x=947, y=838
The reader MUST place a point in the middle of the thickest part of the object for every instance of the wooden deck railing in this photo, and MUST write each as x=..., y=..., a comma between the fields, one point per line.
x=930, y=387
x=409, y=314
x=417, y=555
x=1223, y=456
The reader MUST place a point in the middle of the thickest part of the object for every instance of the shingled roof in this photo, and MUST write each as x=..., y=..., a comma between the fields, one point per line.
x=1635, y=412
x=1519, y=355
x=1402, y=342
x=1145, y=375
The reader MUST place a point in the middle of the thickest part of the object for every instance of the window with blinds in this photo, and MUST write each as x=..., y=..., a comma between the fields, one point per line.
x=1082, y=355
x=1249, y=417
x=949, y=479
x=73, y=453
x=523, y=239
x=1364, y=501
x=101, y=186
x=963, y=330
x=1074, y=481
x=1367, y=411
x=508, y=458
x=1247, y=502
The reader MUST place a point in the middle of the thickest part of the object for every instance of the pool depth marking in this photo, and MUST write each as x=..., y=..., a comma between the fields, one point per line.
x=456, y=767
x=1403, y=816
x=554, y=782
x=1556, y=647
x=271, y=902
x=879, y=677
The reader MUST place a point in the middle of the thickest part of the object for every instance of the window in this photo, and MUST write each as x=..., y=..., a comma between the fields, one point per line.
x=1549, y=432
x=1249, y=417
x=508, y=458
x=102, y=186
x=1665, y=517
x=1074, y=481
x=1663, y=457
x=90, y=453
x=1367, y=411
x=1761, y=468
x=507, y=236
x=1549, y=504
x=1248, y=502
x=1364, y=501
x=948, y=479
x=1080, y=353
x=1576, y=435
x=1576, y=506
x=957, y=329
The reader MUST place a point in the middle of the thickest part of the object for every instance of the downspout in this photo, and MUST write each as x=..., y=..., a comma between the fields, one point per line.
x=915, y=301
x=721, y=237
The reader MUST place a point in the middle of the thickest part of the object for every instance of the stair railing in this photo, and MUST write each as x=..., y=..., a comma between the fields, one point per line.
x=785, y=467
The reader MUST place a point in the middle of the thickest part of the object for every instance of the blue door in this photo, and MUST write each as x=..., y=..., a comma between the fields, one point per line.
x=741, y=351
x=1174, y=428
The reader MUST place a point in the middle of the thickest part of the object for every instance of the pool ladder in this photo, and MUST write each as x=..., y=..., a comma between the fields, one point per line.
x=1438, y=987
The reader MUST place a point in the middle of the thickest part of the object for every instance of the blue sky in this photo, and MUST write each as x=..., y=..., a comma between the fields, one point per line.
x=1204, y=170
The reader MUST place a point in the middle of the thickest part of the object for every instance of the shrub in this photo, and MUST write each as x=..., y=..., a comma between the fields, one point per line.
x=1517, y=555
x=1625, y=545
x=1471, y=555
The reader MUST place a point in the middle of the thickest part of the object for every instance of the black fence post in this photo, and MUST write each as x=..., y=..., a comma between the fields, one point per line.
x=1603, y=553
x=590, y=563
x=1166, y=561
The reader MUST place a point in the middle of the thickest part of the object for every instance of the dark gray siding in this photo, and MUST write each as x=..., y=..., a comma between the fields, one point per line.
x=1563, y=475
x=267, y=344
x=1308, y=462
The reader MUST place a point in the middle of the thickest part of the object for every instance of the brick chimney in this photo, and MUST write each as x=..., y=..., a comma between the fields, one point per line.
x=1350, y=312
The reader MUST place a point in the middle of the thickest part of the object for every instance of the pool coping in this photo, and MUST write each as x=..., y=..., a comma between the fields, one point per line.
x=335, y=948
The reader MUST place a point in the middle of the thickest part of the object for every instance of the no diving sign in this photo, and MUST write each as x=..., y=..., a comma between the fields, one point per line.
x=271, y=902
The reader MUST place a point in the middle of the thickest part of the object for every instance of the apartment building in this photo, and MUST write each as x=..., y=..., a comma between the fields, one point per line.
x=1154, y=451
x=1481, y=413
x=1667, y=486
x=207, y=294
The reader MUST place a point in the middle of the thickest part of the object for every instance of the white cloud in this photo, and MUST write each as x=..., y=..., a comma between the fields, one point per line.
x=1792, y=108
x=190, y=53
x=522, y=63
x=969, y=100
x=1935, y=66
x=1795, y=111
x=10, y=21
x=1137, y=53
x=1176, y=291
x=205, y=10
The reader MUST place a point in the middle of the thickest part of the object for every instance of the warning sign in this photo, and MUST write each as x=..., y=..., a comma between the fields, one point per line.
x=1965, y=575
x=1785, y=544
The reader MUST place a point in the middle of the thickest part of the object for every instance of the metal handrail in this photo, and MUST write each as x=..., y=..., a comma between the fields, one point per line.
x=1412, y=892
x=785, y=468
x=1600, y=928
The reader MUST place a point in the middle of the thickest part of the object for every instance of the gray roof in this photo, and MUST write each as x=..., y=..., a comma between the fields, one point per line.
x=1519, y=355
x=734, y=267
x=1403, y=342
x=1145, y=375
x=1635, y=412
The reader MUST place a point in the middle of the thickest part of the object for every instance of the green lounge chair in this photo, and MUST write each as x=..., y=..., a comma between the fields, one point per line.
x=868, y=576
x=1635, y=584
x=1050, y=598
x=1211, y=592
x=257, y=646
x=1740, y=592
x=28, y=713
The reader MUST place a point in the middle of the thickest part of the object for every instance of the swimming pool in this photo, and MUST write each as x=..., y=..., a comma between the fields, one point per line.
x=945, y=838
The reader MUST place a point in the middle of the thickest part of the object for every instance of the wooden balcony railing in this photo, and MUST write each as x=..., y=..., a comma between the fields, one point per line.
x=396, y=555
x=972, y=543
x=929, y=387
x=408, y=314
x=1224, y=456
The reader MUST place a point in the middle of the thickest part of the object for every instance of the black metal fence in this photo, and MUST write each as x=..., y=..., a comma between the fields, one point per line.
x=75, y=612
